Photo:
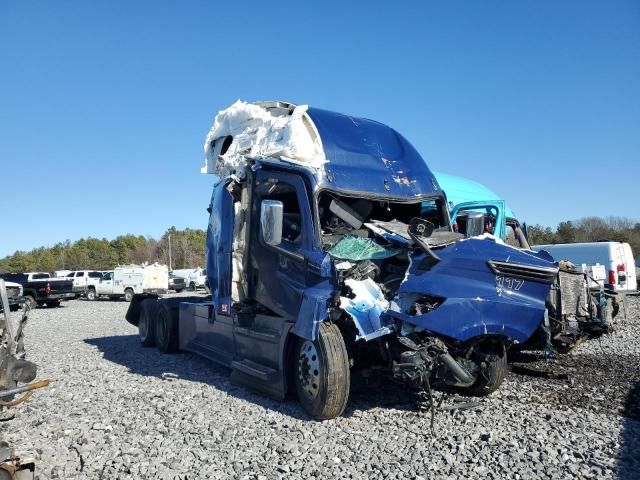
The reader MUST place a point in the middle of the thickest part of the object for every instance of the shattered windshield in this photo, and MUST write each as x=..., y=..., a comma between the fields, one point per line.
x=370, y=238
x=355, y=249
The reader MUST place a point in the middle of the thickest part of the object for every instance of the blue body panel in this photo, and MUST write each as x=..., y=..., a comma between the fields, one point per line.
x=369, y=157
x=475, y=303
x=219, y=247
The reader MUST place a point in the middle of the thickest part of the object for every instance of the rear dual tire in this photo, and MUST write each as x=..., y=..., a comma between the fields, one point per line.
x=147, y=322
x=166, y=328
x=158, y=325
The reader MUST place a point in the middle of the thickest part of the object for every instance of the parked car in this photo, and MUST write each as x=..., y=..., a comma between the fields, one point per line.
x=40, y=289
x=82, y=279
x=617, y=257
x=126, y=281
x=14, y=295
x=323, y=261
x=176, y=283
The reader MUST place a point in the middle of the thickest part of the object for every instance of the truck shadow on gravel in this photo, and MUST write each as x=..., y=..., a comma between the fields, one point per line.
x=125, y=350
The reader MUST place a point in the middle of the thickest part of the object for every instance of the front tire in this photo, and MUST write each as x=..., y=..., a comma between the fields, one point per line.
x=492, y=362
x=322, y=373
x=30, y=301
x=53, y=304
x=178, y=290
x=192, y=287
x=91, y=294
x=147, y=322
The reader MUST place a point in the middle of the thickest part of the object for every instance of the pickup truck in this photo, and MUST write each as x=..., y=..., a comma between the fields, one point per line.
x=40, y=289
x=82, y=279
x=14, y=295
x=194, y=278
x=320, y=260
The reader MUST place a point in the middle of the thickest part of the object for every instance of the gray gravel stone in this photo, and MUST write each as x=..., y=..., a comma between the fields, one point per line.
x=118, y=410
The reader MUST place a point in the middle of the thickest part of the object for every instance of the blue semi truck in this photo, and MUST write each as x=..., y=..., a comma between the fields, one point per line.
x=330, y=248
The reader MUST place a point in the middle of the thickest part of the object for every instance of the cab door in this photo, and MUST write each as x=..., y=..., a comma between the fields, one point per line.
x=280, y=271
x=105, y=286
x=491, y=208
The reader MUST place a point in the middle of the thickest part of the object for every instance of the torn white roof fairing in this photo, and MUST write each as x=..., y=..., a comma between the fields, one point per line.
x=276, y=129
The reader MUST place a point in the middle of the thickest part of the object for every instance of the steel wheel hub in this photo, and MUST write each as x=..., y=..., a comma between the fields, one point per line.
x=309, y=369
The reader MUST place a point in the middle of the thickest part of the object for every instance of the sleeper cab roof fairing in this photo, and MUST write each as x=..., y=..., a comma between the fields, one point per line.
x=358, y=155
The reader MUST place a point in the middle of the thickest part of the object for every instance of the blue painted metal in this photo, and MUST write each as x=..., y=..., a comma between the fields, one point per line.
x=460, y=189
x=219, y=247
x=369, y=157
x=313, y=310
x=475, y=303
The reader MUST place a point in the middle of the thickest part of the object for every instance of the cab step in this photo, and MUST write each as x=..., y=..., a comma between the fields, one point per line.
x=259, y=377
x=254, y=369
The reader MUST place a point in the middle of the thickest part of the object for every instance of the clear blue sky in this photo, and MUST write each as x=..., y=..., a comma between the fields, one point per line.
x=104, y=106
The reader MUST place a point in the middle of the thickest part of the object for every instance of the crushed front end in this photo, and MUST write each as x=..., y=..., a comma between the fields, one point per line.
x=426, y=303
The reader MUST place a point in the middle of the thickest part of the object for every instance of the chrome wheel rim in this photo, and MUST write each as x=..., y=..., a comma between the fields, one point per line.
x=309, y=369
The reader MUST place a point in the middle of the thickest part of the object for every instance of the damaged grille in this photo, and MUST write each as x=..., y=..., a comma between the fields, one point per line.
x=525, y=272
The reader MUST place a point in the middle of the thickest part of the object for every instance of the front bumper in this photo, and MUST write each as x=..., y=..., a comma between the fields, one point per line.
x=155, y=291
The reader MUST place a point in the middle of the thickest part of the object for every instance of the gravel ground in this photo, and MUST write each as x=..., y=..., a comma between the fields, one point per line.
x=118, y=410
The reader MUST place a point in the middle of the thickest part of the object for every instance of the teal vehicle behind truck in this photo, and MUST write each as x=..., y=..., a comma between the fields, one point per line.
x=578, y=307
x=475, y=209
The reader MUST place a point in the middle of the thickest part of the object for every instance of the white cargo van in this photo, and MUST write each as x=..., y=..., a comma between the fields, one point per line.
x=615, y=256
x=127, y=280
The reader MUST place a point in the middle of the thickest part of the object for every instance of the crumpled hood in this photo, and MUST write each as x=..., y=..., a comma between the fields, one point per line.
x=478, y=298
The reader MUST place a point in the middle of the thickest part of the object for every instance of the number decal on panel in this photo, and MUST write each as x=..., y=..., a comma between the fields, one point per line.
x=508, y=283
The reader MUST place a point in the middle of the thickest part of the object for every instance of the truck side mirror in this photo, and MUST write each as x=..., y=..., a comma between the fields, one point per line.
x=271, y=221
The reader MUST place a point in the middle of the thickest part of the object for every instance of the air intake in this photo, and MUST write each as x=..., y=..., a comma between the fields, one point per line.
x=525, y=272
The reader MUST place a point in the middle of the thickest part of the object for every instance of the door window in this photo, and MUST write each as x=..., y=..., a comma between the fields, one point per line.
x=292, y=221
